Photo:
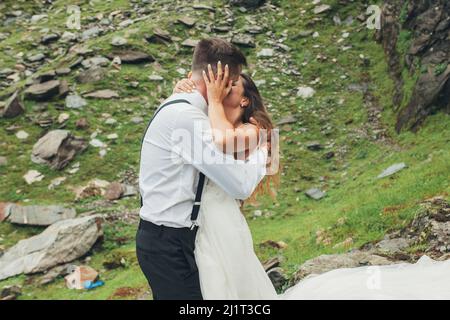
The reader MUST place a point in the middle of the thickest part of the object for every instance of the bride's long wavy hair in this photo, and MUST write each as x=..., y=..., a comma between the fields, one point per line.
x=257, y=110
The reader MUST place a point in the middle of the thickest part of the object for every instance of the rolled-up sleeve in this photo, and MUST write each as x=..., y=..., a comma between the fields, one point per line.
x=193, y=142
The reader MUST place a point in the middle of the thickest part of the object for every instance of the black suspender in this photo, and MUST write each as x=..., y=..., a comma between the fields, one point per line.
x=201, y=181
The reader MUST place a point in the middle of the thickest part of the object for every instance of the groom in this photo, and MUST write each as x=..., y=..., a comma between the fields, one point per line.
x=171, y=178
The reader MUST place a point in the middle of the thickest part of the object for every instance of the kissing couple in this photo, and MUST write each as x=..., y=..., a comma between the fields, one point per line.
x=208, y=147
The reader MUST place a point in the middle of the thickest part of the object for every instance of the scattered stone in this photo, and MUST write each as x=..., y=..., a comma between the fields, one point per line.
x=111, y=121
x=68, y=37
x=90, y=33
x=243, y=40
x=38, y=17
x=33, y=176
x=314, y=146
x=137, y=120
x=190, y=43
x=115, y=191
x=39, y=215
x=13, y=107
x=82, y=124
x=97, y=61
x=250, y=4
x=315, y=193
x=43, y=91
x=274, y=244
x=112, y=136
x=203, y=7
x=92, y=74
x=329, y=155
x=287, y=120
x=74, y=101
x=56, y=182
x=266, y=52
x=102, y=94
x=159, y=36
x=155, y=77
x=391, y=170
x=49, y=38
x=61, y=242
x=305, y=92
x=392, y=246
x=62, y=71
x=321, y=9
x=132, y=56
x=80, y=274
x=63, y=117
x=22, y=135
x=118, y=41
x=10, y=292
x=257, y=213
x=36, y=57
x=97, y=143
x=3, y=161
x=95, y=187
x=57, y=148
x=187, y=21
x=52, y=274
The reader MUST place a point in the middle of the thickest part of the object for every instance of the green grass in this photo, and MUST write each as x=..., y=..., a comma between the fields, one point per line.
x=371, y=207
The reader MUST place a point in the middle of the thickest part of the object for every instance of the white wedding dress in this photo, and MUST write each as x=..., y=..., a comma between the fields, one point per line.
x=230, y=270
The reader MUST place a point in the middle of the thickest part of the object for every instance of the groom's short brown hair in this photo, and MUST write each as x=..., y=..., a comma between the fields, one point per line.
x=209, y=51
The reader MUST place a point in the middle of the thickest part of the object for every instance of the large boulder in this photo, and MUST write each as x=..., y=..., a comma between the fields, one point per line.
x=57, y=148
x=62, y=242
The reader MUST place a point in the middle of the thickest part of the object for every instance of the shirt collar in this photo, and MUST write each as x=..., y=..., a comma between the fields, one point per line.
x=195, y=98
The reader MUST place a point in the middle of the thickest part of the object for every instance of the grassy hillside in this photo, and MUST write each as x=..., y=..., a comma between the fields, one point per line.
x=357, y=205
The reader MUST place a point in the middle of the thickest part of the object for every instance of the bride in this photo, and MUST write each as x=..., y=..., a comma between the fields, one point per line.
x=228, y=266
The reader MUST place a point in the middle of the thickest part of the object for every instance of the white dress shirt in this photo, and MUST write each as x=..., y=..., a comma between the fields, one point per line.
x=178, y=144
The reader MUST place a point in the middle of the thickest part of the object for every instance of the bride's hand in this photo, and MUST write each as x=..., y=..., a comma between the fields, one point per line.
x=217, y=88
x=184, y=85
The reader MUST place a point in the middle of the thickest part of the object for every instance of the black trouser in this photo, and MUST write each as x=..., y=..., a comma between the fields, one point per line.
x=166, y=256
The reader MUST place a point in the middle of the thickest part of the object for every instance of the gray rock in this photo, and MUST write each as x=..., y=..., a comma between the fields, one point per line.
x=243, y=40
x=75, y=102
x=10, y=292
x=325, y=263
x=203, y=7
x=39, y=215
x=392, y=246
x=314, y=146
x=68, y=36
x=266, y=52
x=43, y=91
x=250, y=4
x=93, y=74
x=129, y=56
x=49, y=38
x=155, y=77
x=287, y=120
x=38, y=17
x=190, y=43
x=62, y=71
x=57, y=148
x=97, y=61
x=391, y=170
x=102, y=94
x=90, y=33
x=13, y=107
x=118, y=41
x=61, y=242
x=321, y=9
x=187, y=21
x=137, y=120
x=315, y=193
x=305, y=92
x=159, y=36
x=37, y=57
x=3, y=161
